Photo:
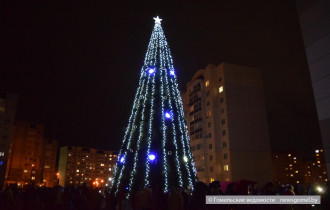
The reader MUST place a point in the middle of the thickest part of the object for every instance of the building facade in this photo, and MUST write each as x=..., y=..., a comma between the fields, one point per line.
x=290, y=168
x=32, y=159
x=225, y=111
x=8, y=103
x=78, y=165
x=49, y=170
x=314, y=19
x=24, y=163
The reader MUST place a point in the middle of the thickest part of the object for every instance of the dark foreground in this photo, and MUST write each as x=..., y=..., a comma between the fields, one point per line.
x=70, y=198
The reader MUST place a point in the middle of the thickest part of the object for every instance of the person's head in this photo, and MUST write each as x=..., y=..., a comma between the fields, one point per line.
x=290, y=188
x=215, y=186
x=200, y=188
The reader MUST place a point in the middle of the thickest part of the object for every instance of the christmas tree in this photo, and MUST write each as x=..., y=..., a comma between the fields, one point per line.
x=155, y=150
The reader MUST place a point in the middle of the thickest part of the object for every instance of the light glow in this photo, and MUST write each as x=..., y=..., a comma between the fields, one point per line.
x=319, y=189
x=167, y=115
x=151, y=71
x=157, y=20
x=151, y=157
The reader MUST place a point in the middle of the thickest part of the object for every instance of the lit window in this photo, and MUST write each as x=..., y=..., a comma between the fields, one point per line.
x=289, y=155
x=77, y=170
x=296, y=172
x=33, y=177
x=69, y=154
x=226, y=168
x=207, y=83
x=291, y=175
x=25, y=171
x=47, y=166
x=220, y=89
x=317, y=151
x=191, y=108
x=102, y=164
x=109, y=169
x=2, y=154
x=297, y=182
x=208, y=114
x=212, y=180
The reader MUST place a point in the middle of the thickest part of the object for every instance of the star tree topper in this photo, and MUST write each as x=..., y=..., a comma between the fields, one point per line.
x=157, y=20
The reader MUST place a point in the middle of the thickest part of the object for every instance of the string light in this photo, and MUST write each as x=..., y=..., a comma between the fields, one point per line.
x=157, y=98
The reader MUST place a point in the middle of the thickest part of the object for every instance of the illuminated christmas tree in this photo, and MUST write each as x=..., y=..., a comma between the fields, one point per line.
x=155, y=150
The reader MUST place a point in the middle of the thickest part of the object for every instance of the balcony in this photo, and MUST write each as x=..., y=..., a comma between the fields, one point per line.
x=195, y=100
x=195, y=121
x=195, y=89
x=196, y=110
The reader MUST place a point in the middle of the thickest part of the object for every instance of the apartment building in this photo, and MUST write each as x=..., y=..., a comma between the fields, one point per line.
x=24, y=162
x=226, y=116
x=78, y=165
x=32, y=158
x=8, y=103
x=49, y=169
x=290, y=168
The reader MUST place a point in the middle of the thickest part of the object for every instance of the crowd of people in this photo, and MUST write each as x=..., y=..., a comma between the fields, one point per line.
x=82, y=197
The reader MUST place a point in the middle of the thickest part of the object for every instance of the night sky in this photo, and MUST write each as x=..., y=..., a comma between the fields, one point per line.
x=75, y=67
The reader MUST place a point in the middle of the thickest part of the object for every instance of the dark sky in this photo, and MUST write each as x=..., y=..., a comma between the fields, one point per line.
x=75, y=67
